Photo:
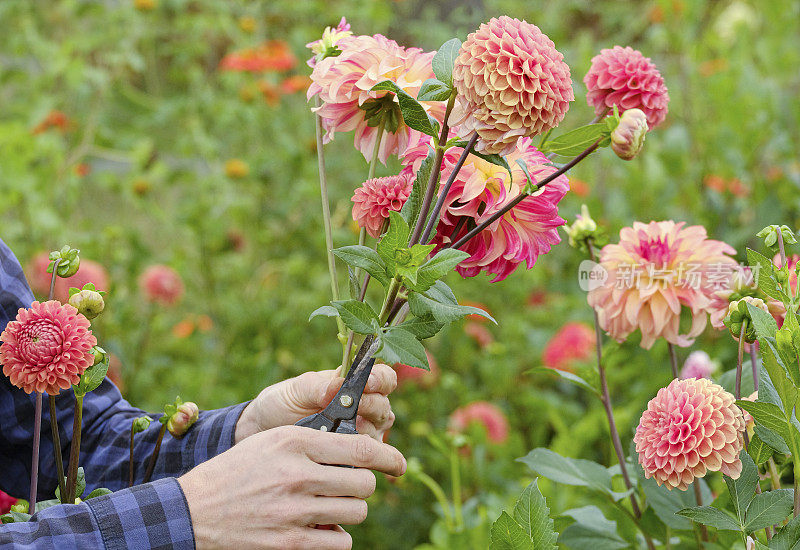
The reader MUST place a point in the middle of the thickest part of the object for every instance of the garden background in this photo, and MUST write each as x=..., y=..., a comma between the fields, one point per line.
x=121, y=135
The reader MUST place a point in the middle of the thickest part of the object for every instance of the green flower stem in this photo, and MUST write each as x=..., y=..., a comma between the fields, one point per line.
x=673, y=359
x=57, y=448
x=740, y=354
x=754, y=365
x=773, y=474
x=781, y=247
x=152, y=465
x=130, y=462
x=75, y=450
x=635, y=521
x=391, y=294
x=37, y=428
x=455, y=479
x=438, y=493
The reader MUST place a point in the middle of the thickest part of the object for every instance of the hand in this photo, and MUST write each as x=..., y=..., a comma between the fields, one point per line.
x=273, y=488
x=287, y=402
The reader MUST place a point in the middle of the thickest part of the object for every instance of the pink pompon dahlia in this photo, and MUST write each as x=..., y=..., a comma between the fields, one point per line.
x=625, y=78
x=573, y=342
x=89, y=272
x=343, y=85
x=691, y=427
x=47, y=348
x=161, y=284
x=511, y=83
x=486, y=414
x=654, y=271
x=373, y=201
x=480, y=190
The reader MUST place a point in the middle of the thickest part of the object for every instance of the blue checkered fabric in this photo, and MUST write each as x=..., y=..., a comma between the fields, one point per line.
x=151, y=515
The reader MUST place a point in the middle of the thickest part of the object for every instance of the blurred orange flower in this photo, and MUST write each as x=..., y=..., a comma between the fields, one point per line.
x=713, y=66
x=420, y=377
x=579, y=187
x=236, y=169
x=82, y=169
x=734, y=186
x=295, y=83
x=272, y=95
x=54, y=119
x=247, y=24
x=183, y=329
x=144, y=5
x=273, y=55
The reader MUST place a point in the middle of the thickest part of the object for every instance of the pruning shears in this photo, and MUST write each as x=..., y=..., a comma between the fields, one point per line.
x=339, y=416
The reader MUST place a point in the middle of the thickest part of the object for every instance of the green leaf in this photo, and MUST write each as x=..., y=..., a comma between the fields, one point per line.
x=591, y=531
x=768, y=415
x=772, y=439
x=80, y=484
x=365, y=258
x=422, y=327
x=353, y=283
x=437, y=267
x=440, y=302
x=494, y=159
x=764, y=275
x=787, y=538
x=409, y=260
x=666, y=503
x=507, y=534
x=566, y=470
x=410, y=210
x=533, y=515
x=743, y=490
x=768, y=509
x=779, y=382
x=396, y=238
x=577, y=141
x=357, y=316
x=400, y=346
x=708, y=515
x=568, y=376
x=434, y=90
x=327, y=311
x=414, y=114
x=15, y=517
x=45, y=504
x=444, y=59
x=92, y=377
x=100, y=491
x=759, y=451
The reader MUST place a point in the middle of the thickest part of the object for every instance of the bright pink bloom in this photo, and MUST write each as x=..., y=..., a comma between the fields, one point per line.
x=343, y=84
x=511, y=83
x=655, y=270
x=47, y=348
x=480, y=190
x=691, y=427
x=625, y=78
x=89, y=272
x=6, y=502
x=698, y=365
x=574, y=342
x=486, y=414
x=373, y=201
x=161, y=284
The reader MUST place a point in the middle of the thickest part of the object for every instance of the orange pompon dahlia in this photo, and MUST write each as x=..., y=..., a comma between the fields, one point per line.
x=654, y=271
x=691, y=427
x=376, y=197
x=343, y=85
x=511, y=83
x=47, y=347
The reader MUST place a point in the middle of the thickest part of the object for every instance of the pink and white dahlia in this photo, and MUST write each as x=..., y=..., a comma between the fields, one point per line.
x=47, y=347
x=654, y=271
x=373, y=201
x=691, y=427
x=161, y=284
x=698, y=365
x=511, y=83
x=482, y=189
x=343, y=85
x=486, y=414
x=625, y=78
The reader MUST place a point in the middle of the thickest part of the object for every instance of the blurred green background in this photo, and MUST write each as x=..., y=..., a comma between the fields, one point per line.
x=139, y=173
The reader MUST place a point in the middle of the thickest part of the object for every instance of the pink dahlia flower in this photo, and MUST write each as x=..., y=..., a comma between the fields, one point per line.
x=47, y=348
x=573, y=342
x=625, y=78
x=480, y=190
x=654, y=271
x=511, y=83
x=486, y=414
x=343, y=84
x=740, y=283
x=161, y=284
x=89, y=272
x=6, y=502
x=373, y=201
x=698, y=365
x=691, y=427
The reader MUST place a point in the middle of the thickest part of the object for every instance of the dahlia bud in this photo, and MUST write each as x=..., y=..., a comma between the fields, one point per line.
x=738, y=314
x=770, y=235
x=88, y=302
x=21, y=506
x=627, y=138
x=141, y=424
x=326, y=46
x=69, y=262
x=99, y=355
x=180, y=422
x=583, y=228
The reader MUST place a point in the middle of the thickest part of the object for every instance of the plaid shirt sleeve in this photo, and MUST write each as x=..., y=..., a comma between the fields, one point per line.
x=153, y=515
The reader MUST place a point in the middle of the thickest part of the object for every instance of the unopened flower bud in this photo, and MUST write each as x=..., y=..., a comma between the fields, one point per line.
x=326, y=46
x=738, y=314
x=627, y=138
x=21, y=506
x=141, y=424
x=180, y=422
x=99, y=355
x=583, y=228
x=69, y=261
x=88, y=302
x=770, y=235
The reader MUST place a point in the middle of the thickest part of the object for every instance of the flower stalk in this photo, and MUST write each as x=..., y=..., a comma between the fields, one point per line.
x=75, y=450
x=673, y=360
x=57, y=456
x=151, y=466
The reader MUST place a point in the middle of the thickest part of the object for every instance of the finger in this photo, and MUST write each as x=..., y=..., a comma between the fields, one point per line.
x=382, y=379
x=360, y=451
x=313, y=390
x=375, y=407
x=344, y=482
x=364, y=426
x=337, y=510
x=308, y=537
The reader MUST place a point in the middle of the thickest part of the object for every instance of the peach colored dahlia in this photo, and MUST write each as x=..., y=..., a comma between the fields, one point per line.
x=691, y=427
x=373, y=201
x=625, y=78
x=486, y=414
x=481, y=189
x=161, y=284
x=47, y=347
x=655, y=270
x=511, y=83
x=343, y=83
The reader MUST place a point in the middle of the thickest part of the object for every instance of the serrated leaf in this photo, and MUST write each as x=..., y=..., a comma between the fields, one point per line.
x=507, y=534
x=92, y=377
x=666, y=503
x=772, y=439
x=575, y=142
x=759, y=451
x=440, y=302
x=326, y=311
x=400, y=346
x=396, y=238
x=414, y=114
x=708, y=515
x=764, y=275
x=743, y=489
x=591, y=530
x=365, y=258
x=357, y=316
x=444, y=59
x=434, y=90
x=422, y=327
x=768, y=415
x=787, y=538
x=353, y=283
x=533, y=515
x=411, y=209
x=768, y=509
x=778, y=383
x=437, y=267
x=566, y=470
